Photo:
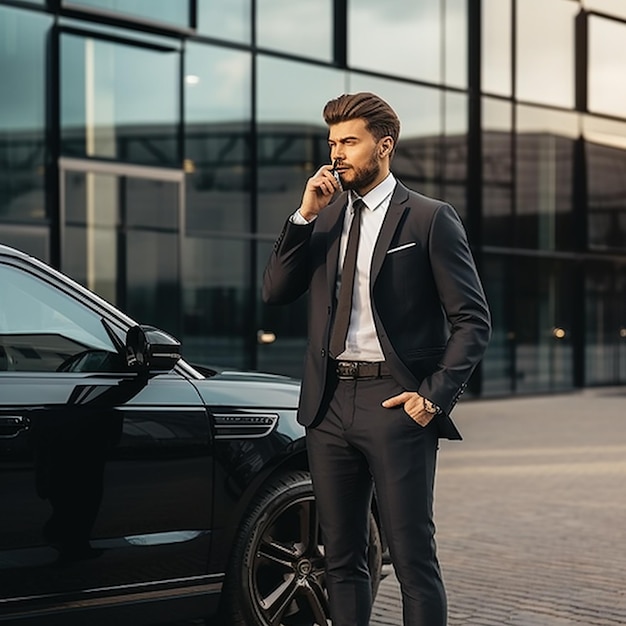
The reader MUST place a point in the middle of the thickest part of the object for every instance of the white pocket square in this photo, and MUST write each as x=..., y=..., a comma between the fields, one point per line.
x=404, y=247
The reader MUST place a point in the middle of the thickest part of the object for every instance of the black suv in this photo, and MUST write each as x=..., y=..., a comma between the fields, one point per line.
x=136, y=488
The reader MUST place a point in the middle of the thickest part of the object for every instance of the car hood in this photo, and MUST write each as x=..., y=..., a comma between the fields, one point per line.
x=249, y=389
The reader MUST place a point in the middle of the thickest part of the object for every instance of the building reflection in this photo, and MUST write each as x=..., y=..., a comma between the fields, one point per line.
x=154, y=156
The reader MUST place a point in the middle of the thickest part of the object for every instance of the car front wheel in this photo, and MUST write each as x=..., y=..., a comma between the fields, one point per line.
x=276, y=575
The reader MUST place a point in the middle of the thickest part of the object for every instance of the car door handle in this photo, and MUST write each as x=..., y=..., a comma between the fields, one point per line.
x=12, y=425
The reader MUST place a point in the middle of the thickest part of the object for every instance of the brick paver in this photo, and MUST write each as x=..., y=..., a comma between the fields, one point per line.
x=531, y=514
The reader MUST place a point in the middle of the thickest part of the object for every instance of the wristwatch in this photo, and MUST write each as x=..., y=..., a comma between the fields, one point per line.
x=431, y=407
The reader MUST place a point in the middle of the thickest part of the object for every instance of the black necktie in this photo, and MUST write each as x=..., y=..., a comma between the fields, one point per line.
x=344, y=302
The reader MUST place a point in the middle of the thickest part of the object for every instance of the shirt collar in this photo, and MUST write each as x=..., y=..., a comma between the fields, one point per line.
x=375, y=197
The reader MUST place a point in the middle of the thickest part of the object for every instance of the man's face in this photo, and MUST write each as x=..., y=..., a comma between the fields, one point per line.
x=357, y=154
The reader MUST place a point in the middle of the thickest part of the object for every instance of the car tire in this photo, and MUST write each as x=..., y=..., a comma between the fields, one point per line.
x=276, y=574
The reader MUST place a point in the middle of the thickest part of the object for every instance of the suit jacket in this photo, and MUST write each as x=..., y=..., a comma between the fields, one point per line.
x=428, y=304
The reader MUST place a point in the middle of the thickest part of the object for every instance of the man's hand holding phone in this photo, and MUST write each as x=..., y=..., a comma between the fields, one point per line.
x=319, y=191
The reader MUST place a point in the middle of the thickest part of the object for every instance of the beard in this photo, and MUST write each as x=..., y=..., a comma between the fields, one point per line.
x=362, y=177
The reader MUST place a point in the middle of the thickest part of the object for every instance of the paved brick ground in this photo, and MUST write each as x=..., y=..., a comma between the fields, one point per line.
x=531, y=514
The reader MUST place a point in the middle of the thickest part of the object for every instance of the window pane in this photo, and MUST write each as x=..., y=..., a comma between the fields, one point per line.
x=543, y=325
x=285, y=355
x=226, y=20
x=174, y=12
x=606, y=183
x=497, y=122
x=544, y=178
x=34, y=240
x=545, y=51
x=396, y=37
x=607, y=60
x=119, y=101
x=496, y=47
x=292, y=135
x=498, y=364
x=22, y=114
x=218, y=107
x=454, y=152
x=304, y=27
x=153, y=276
x=216, y=289
x=91, y=251
x=605, y=313
x=417, y=161
x=456, y=43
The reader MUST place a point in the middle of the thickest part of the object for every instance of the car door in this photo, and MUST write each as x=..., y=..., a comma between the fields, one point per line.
x=105, y=473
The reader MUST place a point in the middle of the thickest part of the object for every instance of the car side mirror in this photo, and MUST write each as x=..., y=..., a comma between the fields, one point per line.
x=150, y=350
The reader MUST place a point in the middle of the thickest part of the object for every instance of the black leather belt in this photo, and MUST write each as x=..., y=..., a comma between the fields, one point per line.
x=349, y=370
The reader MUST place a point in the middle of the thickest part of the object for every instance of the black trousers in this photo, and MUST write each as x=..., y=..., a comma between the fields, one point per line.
x=357, y=445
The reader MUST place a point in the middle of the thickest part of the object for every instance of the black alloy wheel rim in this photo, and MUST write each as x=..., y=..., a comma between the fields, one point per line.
x=286, y=576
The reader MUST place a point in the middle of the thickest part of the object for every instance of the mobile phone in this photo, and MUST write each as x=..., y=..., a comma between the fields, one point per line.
x=336, y=173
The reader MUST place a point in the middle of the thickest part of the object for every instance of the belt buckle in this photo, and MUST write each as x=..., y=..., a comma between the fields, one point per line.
x=347, y=369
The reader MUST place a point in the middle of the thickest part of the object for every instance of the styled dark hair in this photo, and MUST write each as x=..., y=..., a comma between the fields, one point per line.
x=381, y=120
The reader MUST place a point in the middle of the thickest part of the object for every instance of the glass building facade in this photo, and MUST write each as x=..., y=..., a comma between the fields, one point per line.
x=152, y=149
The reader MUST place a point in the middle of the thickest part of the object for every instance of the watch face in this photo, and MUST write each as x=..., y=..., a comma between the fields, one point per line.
x=429, y=406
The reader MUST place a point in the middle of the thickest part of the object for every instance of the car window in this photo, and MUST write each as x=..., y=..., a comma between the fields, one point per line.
x=44, y=329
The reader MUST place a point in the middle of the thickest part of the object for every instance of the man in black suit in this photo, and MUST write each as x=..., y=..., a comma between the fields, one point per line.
x=397, y=323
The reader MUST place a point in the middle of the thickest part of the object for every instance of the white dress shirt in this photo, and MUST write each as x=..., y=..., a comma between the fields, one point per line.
x=362, y=341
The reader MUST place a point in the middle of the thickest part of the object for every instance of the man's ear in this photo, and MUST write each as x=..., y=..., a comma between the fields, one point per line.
x=386, y=147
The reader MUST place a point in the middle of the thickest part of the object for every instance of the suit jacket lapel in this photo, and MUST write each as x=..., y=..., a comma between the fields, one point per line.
x=395, y=212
